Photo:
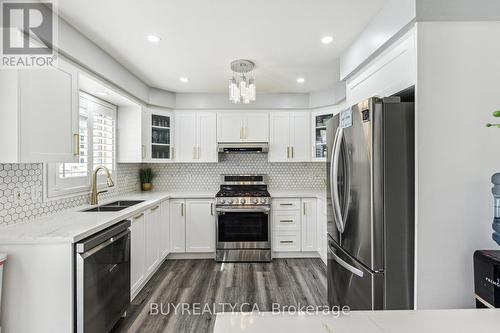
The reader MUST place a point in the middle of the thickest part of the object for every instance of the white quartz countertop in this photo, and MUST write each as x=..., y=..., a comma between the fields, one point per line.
x=422, y=321
x=74, y=225
x=298, y=194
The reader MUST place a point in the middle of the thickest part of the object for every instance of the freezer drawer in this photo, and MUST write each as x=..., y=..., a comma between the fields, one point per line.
x=350, y=283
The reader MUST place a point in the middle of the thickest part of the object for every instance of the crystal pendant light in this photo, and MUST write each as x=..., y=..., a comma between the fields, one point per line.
x=242, y=85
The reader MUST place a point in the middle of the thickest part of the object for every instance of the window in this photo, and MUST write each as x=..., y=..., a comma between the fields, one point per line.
x=97, y=147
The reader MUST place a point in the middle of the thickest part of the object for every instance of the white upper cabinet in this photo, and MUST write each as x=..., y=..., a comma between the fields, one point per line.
x=185, y=136
x=299, y=136
x=196, y=139
x=279, y=143
x=256, y=127
x=229, y=126
x=144, y=134
x=237, y=126
x=39, y=115
x=289, y=137
x=159, y=133
x=319, y=121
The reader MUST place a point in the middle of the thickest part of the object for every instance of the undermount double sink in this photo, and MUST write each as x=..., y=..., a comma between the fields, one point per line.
x=114, y=206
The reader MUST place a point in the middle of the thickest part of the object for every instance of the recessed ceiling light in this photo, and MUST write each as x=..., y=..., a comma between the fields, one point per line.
x=300, y=80
x=184, y=79
x=102, y=93
x=327, y=39
x=154, y=39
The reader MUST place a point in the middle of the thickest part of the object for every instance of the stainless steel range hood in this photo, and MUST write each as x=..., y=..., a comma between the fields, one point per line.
x=243, y=147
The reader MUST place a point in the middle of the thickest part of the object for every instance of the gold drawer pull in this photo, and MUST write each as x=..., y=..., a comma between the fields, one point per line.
x=155, y=208
x=138, y=216
x=286, y=204
x=286, y=242
x=286, y=221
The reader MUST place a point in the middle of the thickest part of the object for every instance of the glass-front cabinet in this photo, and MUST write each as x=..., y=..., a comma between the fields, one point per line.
x=160, y=135
x=319, y=134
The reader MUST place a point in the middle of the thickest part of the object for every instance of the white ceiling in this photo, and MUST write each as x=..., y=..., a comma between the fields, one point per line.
x=201, y=37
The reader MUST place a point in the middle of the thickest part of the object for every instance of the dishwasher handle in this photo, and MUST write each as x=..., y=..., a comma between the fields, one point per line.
x=104, y=244
x=97, y=239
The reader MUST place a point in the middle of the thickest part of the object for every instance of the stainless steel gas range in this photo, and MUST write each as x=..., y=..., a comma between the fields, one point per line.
x=243, y=224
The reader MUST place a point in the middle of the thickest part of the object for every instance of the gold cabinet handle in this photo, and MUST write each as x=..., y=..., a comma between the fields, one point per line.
x=305, y=208
x=286, y=204
x=212, y=209
x=155, y=208
x=286, y=242
x=287, y=152
x=76, y=138
x=138, y=216
x=292, y=151
x=286, y=221
x=182, y=209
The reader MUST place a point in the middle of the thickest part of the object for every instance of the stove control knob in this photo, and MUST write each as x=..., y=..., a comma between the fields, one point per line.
x=222, y=201
x=255, y=201
x=230, y=201
x=263, y=200
x=242, y=201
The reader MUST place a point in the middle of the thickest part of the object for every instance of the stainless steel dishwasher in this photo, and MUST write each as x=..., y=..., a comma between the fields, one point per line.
x=102, y=279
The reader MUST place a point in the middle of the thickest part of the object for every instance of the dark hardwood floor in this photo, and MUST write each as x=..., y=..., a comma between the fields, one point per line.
x=205, y=285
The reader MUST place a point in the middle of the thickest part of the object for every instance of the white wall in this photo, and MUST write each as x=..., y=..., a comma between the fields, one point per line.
x=328, y=96
x=457, y=90
x=221, y=101
x=458, y=10
x=394, y=16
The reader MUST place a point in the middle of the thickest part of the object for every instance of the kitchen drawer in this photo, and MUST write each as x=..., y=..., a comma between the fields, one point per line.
x=286, y=220
x=286, y=204
x=286, y=241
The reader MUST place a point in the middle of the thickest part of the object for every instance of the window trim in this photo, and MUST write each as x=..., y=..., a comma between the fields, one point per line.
x=51, y=170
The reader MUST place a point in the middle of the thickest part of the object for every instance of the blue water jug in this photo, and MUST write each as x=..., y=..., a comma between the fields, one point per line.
x=495, y=179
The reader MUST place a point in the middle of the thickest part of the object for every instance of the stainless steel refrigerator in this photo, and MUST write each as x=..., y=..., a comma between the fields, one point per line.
x=371, y=179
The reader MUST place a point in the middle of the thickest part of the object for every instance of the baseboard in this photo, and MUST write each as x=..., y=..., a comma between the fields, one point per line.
x=209, y=255
x=201, y=255
x=311, y=254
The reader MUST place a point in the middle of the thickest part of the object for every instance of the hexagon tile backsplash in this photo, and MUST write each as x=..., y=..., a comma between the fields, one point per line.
x=205, y=177
x=176, y=177
x=23, y=177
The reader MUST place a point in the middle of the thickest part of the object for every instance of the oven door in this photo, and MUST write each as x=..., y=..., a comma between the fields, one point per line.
x=239, y=228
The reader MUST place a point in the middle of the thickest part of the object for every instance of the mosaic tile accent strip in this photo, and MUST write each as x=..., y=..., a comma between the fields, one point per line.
x=206, y=177
x=24, y=177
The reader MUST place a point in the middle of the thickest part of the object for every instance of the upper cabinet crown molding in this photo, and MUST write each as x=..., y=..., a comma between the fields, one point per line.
x=237, y=126
x=39, y=115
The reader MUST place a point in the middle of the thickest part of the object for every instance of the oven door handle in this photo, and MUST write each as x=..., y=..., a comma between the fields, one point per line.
x=244, y=210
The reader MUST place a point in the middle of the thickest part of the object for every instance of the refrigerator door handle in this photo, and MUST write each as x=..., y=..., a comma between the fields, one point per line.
x=334, y=186
x=342, y=263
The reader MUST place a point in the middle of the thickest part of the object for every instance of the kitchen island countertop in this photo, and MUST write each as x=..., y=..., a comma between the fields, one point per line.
x=422, y=321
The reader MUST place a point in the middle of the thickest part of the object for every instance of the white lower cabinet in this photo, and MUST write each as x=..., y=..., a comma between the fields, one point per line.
x=149, y=244
x=177, y=226
x=137, y=252
x=192, y=225
x=164, y=229
x=309, y=230
x=294, y=225
x=200, y=226
x=153, y=216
